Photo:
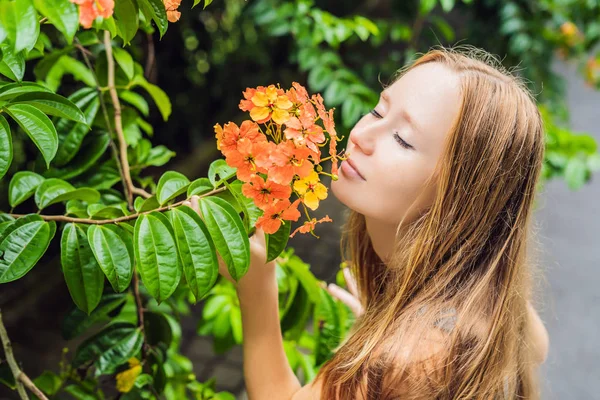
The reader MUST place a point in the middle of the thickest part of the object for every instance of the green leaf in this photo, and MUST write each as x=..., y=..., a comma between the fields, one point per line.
x=426, y=6
x=83, y=276
x=307, y=279
x=51, y=104
x=327, y=327
x=158, y=95
x=22, y=185
x=12, y=90
x=155, y=10
x=293, y=322
x=22, y=244
x=124, y=60
x=76, y=321
x=113, y=249
x=92, y=148
x=277, y=241
x=19, y=19
x=107, y=349
x=228, y=234
x=38, y=127
x=157, y=329
x=156, y=255
x=76, y=68
x=170, y=185
x=196, y=250
x=62, y=14
x=222, y=169
x=319, y=77
x=447, y=5
x=199, y=186
x=351, y=110
x=126, y=18
x=54, y=190
x=135, y=100
x=72, y=133
x=6, y=149
x=48, y=382
x=575, y=173
x=13, y=64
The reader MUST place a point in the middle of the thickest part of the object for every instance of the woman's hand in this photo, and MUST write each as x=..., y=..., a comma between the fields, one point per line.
x=351, y=299
x=259, y=270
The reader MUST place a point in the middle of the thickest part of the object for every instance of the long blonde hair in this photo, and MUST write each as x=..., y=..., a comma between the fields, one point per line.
x=466, y=253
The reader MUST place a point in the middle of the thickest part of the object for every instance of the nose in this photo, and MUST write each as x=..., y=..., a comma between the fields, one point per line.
x=362, y=138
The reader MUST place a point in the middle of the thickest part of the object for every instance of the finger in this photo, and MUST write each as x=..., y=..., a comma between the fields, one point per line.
x=194, y=202
x=350, y=282
x=346, y=298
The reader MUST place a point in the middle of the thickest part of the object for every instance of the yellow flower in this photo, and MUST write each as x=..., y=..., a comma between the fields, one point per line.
x=271, y=104
x=311, y=190
x=126, y=379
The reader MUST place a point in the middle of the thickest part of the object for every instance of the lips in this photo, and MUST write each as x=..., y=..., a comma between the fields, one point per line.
x=351, y=163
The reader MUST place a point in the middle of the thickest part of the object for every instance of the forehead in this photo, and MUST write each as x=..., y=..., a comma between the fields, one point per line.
x=429, y=94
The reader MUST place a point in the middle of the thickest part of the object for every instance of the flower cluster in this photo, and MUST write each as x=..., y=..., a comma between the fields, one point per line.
x=89, y=10
x=277, y=153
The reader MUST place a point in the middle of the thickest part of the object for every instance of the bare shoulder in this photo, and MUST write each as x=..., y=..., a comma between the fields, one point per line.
x=310, y=391
x=429, y=357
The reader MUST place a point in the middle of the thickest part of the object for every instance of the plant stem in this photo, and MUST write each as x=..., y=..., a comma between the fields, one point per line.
x=118, y=122
x=113, y=147
x=140, y=309
x=124, y=218
x=21, y=379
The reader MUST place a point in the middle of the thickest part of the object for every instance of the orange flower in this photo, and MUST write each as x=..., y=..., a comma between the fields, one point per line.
x=273, y=216
x=327, y=117
x=309, y=226
x=270, y=103
x=89, y=10
x=171, y=7
x=265, y=192
x=228, y=137
x=311, y=190
x=304, y=132
x=289, y=160
x=247, y=104
x=298, y=93
x=244, y=158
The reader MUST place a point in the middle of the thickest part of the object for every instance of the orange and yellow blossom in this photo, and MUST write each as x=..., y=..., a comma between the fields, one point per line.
x=171, y=7
x=269, y=103
x=271, y=220
x=311, y=190
x=126, y=379
x=244, y=158
x=89, y=10
x=309, y=226
x=289, y=160
x=229, y=135
x=265, y=192
x=304, y=132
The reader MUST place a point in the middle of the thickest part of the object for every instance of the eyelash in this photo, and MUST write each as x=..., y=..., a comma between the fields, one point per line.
x=396, y=136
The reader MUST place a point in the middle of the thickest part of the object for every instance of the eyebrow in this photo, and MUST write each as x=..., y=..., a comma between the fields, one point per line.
x=405, y=114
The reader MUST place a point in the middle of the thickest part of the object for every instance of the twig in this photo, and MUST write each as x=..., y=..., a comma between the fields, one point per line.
x=140, y=309
x=118, y=123
x=21, y=379
x=124, y=218
x=113, y=147
x=150, y=58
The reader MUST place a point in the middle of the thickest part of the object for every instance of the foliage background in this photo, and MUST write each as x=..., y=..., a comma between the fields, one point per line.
x=211, y=55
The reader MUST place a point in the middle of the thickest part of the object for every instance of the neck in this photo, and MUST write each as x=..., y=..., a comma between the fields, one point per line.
x=383, y=235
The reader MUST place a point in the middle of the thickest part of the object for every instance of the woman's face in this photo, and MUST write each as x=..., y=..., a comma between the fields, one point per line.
x=395, y=156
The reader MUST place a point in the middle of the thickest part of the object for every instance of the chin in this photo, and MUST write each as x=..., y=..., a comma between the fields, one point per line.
x=345, y=195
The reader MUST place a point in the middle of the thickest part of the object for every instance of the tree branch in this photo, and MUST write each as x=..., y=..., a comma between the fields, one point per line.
x=21, y=379
x=124, y=218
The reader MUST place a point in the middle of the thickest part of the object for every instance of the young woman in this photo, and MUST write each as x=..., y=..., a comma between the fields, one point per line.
x=440, y=184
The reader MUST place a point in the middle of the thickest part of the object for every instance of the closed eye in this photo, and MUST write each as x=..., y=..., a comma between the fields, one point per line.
x=402, y=142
